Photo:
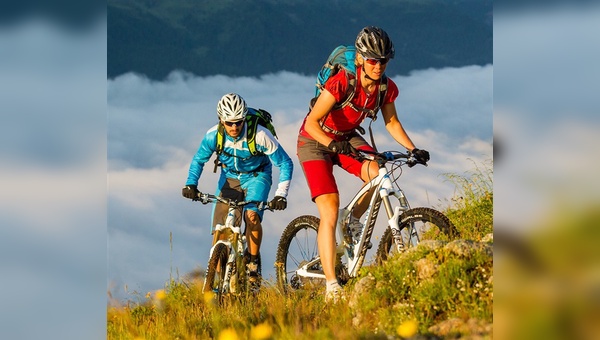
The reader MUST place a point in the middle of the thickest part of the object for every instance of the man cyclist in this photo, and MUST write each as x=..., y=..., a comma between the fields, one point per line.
x=328, y=136
x=243, y=176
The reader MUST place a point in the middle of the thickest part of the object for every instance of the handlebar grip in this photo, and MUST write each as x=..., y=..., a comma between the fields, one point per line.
x=412, y=162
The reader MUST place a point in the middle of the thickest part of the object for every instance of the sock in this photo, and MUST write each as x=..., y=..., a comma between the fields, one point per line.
x=333, y=284
x=254, y=258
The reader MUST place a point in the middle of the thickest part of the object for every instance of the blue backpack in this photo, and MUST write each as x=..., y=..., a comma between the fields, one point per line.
x=342, y=57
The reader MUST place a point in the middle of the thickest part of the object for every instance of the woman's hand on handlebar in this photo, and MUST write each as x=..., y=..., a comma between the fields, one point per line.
x=420, y=156
x=342, y=147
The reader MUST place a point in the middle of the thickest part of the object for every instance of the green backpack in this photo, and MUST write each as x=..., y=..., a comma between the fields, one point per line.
x=253, y=119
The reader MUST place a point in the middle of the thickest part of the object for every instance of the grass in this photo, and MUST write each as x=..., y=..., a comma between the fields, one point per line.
x=417, y=292
x=472, y=206
x=549, y=275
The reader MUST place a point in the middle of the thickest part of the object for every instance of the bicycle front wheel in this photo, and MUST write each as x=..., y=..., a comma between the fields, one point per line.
x=215, y=273
x=297, y=247
x=416, y=225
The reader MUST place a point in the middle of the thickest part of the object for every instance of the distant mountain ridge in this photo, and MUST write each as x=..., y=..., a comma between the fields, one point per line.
x=256, y=37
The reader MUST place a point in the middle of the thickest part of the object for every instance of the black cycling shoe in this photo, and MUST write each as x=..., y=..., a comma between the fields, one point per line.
x=253, y=276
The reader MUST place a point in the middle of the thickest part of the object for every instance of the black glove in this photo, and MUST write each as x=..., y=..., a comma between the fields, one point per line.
x=344, y=147
x=422, y=156
x=190, y=191
x=278, y=203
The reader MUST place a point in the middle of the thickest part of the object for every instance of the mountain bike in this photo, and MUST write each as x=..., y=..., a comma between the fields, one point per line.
x=297, y=261
x=226, y=269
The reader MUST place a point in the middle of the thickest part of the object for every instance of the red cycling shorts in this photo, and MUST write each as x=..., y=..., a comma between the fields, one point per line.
x=317, y=163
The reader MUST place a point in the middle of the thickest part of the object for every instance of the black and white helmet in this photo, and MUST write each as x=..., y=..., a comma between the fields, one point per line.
x=373, y=42
x=232, y=107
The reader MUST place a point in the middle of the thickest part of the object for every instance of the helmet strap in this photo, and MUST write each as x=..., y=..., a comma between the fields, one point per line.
x=366, y=74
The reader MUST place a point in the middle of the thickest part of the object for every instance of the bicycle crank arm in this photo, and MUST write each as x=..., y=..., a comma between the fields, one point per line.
x=303, y=271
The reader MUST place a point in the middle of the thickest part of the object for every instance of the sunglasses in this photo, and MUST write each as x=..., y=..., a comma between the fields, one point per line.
x=375, y=61
x=236, y=123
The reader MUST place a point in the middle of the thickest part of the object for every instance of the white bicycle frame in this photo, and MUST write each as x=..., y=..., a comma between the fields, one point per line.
x=355, y=253
x=233, y=236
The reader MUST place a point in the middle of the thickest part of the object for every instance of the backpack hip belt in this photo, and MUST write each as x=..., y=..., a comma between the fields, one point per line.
x=253, y=172
x=336, y=132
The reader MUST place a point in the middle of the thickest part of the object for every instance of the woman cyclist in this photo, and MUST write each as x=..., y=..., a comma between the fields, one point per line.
x=328, y=136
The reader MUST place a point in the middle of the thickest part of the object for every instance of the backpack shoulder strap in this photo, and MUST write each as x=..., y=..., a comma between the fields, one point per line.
x=383, y=88
x=350, y=91
x=380, y=99
x=251, y=126
x=219, y=141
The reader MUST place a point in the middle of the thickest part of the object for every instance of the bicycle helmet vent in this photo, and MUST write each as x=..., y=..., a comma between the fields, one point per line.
x=373, y=42
x=232, y=107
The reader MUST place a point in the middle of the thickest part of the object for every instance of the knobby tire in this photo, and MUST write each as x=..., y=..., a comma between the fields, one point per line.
x=306, y=225
x=215, y=272
x=440, y=228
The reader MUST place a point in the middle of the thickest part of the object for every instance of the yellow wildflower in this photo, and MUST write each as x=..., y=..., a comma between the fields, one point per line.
x=261, y=331
x=407, y=329
x=160, y=294
x=209, y=298
x=228, y=334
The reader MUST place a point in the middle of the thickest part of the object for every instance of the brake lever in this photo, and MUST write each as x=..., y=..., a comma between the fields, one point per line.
x=203, y=198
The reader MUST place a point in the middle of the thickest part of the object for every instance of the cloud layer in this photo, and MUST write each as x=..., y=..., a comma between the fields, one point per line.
x=154, y=129
x=53, y=179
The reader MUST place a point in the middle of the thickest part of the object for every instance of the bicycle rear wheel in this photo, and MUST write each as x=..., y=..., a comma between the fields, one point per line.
x=416, y=225
x=297, y=246
x=215, y=273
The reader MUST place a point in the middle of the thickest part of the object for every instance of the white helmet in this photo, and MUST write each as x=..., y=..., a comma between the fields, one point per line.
x=232, y=107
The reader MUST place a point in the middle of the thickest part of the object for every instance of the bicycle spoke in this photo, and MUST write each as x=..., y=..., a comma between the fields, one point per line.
x=419, y=224
x=298, y=246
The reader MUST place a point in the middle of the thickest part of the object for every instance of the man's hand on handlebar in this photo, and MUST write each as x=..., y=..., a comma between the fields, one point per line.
x=278, y=203
x=190, y=191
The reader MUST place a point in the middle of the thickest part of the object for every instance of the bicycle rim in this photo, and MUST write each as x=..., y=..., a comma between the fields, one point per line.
x=215, y=273
x=297, y=246
x=416, y=225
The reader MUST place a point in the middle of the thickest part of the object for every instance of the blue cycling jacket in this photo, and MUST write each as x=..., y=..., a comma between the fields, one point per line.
x=237, y=160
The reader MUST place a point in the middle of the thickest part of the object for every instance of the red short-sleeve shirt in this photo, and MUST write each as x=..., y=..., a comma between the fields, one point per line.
x=346, y=118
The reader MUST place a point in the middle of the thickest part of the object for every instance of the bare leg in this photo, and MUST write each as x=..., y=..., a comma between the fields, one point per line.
x=369, y=171
x=328, y=205
x=253, y=232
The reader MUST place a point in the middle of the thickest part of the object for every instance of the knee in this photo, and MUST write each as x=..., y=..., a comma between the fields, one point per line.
x=252, y=218
x=370, y=171
x=328, y=203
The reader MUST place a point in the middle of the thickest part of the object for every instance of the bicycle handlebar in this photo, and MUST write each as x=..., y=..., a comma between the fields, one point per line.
x=206, y=198
x=388, y=156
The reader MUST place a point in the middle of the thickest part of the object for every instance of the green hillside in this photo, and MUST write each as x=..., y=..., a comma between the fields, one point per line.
x=436, y=290
x=254, y=37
